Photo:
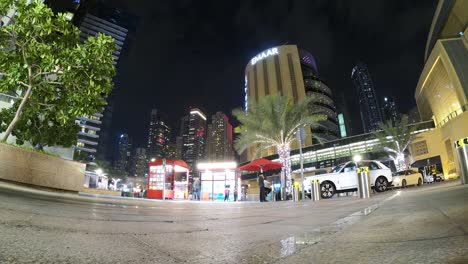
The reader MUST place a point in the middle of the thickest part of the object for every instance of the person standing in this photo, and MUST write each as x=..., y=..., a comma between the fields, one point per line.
x=235, y=194
x=261, y=185
x=226, y=194
x=196, y=189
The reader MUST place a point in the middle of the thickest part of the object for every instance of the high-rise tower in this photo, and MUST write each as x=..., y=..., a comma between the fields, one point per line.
x=124, y=153
x=219, y=139
x=368, y=103
x=159, y=135
x=91, y=135
x=389, y=110
x=193, y=136
x=292, y=72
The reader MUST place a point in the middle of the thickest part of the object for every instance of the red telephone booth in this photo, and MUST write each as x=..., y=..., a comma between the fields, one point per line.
x=168, y=177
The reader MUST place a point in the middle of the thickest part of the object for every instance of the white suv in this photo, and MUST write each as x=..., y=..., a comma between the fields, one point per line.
x=344, y=178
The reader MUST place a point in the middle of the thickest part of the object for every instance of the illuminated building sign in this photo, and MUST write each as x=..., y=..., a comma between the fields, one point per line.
x=264, y=54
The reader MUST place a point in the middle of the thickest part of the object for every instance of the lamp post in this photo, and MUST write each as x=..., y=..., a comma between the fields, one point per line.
x=357, y=158
x=300, y=138
x=164, y=179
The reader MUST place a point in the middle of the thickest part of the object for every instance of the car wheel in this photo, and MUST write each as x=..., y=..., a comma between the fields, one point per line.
x=419, y=181
x=327, y=189
x=403, y=184
x=381, y=184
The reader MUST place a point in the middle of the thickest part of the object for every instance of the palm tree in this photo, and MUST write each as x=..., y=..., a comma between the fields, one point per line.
x=395, y=139
x=273, y=122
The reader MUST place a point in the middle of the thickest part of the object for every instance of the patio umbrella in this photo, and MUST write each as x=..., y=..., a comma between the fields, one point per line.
x=261, y=165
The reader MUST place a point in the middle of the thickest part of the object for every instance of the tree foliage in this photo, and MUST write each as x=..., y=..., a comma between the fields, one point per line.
x=274, y=121
x=395, y=138
x=54, y=76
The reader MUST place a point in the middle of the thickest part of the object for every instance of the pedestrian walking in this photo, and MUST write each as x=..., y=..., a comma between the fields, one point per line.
x=261, y=185
x=226, y=194
x=235, y=194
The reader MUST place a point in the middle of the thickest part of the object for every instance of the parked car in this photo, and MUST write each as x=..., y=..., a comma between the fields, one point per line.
x=438, y=177
x=408, y=177
x=343, y=178
x=428, y=179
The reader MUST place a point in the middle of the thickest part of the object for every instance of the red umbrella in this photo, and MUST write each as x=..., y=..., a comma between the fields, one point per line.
x=261, y=165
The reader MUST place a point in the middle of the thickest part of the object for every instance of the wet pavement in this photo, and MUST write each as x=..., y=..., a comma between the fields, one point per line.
x=416, y=225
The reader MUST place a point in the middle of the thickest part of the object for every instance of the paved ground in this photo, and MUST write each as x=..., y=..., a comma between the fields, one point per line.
x=416, y=225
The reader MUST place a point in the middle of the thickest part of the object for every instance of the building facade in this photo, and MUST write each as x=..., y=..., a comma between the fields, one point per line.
x=138, y=167
x=194, y=137
x=442, y=90
x=368, y=103
x=219, y=144
x=159, y=135
x=343, y=115
x=179, y=147
x=292, y=72
x=89, y=136
x=124, y=154
x=390, y=110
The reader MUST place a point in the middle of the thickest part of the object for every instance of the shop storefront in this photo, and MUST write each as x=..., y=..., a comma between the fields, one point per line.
x=168, y=178
x=216, y=178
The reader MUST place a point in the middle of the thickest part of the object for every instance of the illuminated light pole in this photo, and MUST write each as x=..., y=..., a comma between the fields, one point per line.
x=357, y=158
x=300, y=138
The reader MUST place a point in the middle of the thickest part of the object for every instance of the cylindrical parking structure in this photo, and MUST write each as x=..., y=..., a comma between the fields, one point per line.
x=364, y=188
x=461, y=146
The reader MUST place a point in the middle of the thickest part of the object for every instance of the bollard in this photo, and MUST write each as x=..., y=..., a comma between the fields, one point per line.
x=364, y=188
x=461, y=146
x=295, y=194
x=315, y=190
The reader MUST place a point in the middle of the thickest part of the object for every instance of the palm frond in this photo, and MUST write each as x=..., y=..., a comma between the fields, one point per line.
x=274, y=120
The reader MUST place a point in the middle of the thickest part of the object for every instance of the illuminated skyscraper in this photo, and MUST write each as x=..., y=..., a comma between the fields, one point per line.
x=193, y=136
x=293, y=72
x=389, y=110
x=123, y=160
x=91, y=25
x=368, y=103
x=219, y=139
x=138, y=166
x=159, y=135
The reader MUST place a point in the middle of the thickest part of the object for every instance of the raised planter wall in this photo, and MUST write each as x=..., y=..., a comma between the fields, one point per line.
x=39, y=169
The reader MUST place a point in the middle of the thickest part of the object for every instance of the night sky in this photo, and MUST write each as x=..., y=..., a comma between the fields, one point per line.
x=193, y=53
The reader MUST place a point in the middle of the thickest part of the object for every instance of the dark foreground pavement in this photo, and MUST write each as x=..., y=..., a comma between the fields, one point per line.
x=416, y=225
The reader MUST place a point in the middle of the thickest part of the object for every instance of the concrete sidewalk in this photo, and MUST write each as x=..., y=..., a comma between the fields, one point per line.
x=414, y=225
x=417, y=226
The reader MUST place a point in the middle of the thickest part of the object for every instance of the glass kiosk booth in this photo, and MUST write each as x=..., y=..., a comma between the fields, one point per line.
x=216, y=177
x=168, y=179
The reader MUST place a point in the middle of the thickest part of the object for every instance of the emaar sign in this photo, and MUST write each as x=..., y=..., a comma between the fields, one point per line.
x=264, y=54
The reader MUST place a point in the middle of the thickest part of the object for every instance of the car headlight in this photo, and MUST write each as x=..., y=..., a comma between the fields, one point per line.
x=396, y=180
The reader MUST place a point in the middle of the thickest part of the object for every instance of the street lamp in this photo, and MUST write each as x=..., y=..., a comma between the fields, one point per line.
x=357, y=158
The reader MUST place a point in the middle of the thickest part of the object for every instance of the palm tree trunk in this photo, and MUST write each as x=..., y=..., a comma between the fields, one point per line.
x=284, y=156
x=400, y=162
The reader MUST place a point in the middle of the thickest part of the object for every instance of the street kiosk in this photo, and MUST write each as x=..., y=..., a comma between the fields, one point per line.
x=168, y=179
